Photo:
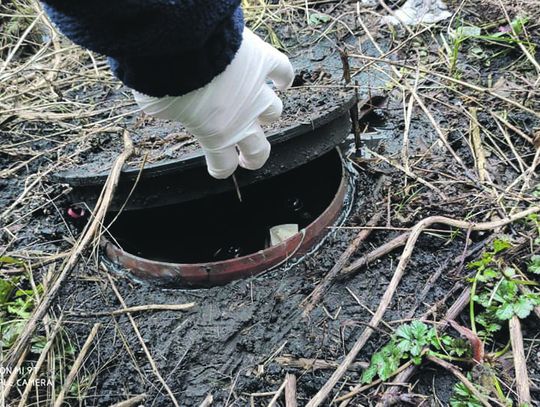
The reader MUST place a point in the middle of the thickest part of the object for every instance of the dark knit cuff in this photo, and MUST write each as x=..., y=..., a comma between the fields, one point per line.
x=178, y=74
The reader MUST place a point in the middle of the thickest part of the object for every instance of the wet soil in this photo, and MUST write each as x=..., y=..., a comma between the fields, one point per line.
x=233, y=343
x=228, y=343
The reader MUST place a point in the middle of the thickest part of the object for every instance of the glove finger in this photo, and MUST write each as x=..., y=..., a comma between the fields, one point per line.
x=156, y=107
x=222, y=163
x=282, y=71
x=275, y=106
x=254, y=148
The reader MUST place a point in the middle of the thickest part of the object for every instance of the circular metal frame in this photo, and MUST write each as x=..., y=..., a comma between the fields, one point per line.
x=219, y=273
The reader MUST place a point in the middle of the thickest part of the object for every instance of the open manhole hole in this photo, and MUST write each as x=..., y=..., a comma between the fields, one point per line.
x=217, y=239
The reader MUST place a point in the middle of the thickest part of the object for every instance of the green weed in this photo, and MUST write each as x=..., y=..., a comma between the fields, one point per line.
x=464, y=33
x=496, y=289
x=411, y=342
x=16, y=304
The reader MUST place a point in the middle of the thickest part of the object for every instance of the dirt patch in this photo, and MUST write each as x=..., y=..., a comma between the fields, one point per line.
x=239, y=340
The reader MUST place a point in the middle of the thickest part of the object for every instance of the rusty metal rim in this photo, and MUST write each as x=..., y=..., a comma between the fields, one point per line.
x=199, y=275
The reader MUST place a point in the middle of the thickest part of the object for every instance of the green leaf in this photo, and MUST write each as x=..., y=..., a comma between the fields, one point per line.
x=447, y=340
x=500, y=244
x=417, y=360
x=6, y=289
x=505, y=311
x=487, y=275
x=483, y=299
x=488, y=321
x=10, y=260
x=463, y=397
x=466, y=31
x=419, y=329
x=507, y=291
x=383, y=363
x=518, y=24
x=509, y=272
x=416, y=349
x=38, y=344
x=523, y=307
x=404, y=345
x=534, y=265
x=369, y=374
x=318, y=19
x=10, y=332
x=388, y=368
x=404, y=331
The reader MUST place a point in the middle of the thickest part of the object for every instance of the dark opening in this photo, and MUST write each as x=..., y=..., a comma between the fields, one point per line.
x=219, y=227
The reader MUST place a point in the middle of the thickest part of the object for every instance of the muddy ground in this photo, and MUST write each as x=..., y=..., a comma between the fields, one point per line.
x=240, y=340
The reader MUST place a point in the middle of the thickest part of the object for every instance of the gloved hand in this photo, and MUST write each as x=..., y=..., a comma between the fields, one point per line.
x=227, y=113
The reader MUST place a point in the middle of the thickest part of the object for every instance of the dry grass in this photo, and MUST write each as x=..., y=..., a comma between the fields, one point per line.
x=480, y=160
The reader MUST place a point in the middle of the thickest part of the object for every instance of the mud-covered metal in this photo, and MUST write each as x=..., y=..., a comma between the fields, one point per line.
x=218, y=273
x=179, y=180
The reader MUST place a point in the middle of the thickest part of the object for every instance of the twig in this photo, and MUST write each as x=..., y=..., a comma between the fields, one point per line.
x=312, y=299
x=323, y=393
x=418, y=99
x=237, y=188
x=76, y=366
x=472, y=86
x=8, y=384
x=315, y=364
x=410, y=174
x=138, y=308
x=143, y=345
x=133, y=401
x=20, y=41
x=513, y=128
x=278, y=394
x=78, y=248
x=39, y=363
x=520, y=362
x=207, y=402
x=524, y=49
x=375, y=254
x=455, y=371
x=476, y=142
x=290, y=390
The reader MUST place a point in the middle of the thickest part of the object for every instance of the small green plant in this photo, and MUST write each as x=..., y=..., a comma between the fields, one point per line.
x=535, y=220
x=506, y=36
x=411, y=342
x=16, y=304
x=463, y=397
x=317, y=19
x=496, y=289
x=15, y=308
x=534, y=265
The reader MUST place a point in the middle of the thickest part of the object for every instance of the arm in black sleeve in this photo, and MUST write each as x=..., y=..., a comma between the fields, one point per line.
x=158, y=47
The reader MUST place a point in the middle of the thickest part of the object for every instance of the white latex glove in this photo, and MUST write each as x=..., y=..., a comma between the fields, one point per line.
x=227, y=113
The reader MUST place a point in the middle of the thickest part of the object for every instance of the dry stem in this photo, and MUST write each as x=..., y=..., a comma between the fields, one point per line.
x=143, y=345
x=392, y=287
x=76, y=366
x=520, y=362
x=88, y=235
x=312, y=299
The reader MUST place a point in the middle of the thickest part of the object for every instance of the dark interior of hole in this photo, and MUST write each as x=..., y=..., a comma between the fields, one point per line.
x=220, y=227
